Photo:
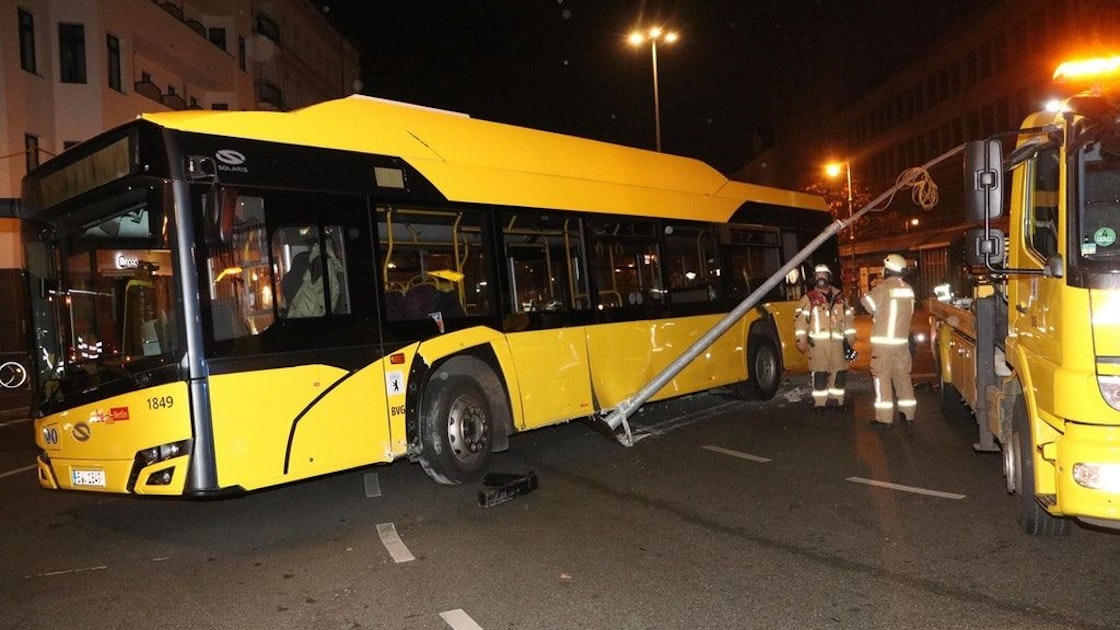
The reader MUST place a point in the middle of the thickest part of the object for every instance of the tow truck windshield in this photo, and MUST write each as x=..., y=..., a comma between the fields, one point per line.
x=1099, y=219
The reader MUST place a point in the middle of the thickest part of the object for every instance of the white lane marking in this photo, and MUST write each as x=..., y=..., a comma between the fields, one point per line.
x=373, y=485
x=392, y=542
x=66, y=572
x=895, y=486
x=12, y=423
x=17, y=471
x=459, y=620
x=740, y=455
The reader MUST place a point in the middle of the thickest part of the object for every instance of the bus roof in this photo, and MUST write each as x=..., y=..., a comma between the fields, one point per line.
x=478, y=161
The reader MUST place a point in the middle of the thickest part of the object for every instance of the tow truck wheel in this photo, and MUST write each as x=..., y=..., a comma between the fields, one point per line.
x=1018, y=465
x=456, y=429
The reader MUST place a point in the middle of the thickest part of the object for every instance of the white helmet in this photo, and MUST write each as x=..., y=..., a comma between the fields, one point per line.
x=895, y=263
x=819, y=269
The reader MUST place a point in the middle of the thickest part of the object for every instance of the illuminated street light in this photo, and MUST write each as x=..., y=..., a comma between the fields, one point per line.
x=833, y=170
x=653, y=36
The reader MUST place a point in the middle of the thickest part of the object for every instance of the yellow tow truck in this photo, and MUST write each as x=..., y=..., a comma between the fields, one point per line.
x=1033, y=349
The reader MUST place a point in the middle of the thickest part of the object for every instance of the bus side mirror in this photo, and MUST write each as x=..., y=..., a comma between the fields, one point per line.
x=984, y=248
x=220, y=209
x=983, y=180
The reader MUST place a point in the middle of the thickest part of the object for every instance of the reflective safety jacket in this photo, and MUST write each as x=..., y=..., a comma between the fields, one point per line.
x=891, y=304
x=824, y=315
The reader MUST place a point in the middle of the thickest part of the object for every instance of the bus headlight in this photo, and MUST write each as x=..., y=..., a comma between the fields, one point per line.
x=162, y=453
x=1098, y=476
x=1110, y=389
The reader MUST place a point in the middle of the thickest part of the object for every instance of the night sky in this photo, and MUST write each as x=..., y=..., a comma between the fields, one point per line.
x=565, y=65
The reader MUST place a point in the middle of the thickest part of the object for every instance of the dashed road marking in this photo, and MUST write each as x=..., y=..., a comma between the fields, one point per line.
x=459, y=620
x=895, y=486
x=392, y=542
x=740, y=455
x=17, y=471
x=373, y=485
x=101, y=567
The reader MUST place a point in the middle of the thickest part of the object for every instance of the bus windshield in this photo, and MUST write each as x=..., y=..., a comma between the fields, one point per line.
x=102, y=294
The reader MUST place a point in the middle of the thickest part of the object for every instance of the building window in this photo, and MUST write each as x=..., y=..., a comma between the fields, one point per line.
x=268, y=92
x=217, y=36
x=242, y=57
x=31, y=151
x=27, y=41
x=268, y=27
x=113, y=52
x=72, y=53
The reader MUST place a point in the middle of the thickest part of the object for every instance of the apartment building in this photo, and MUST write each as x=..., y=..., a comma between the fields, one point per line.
x=70, y=69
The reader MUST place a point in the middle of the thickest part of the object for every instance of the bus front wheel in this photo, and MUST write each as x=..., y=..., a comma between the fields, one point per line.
x=456, y=430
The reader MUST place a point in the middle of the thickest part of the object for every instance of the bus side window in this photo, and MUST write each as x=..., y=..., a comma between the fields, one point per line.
x=755, y=255
x=240, y=282
x=626, y=262
x=310, y=265
x=544, y=261
x=433, y=264
x=692, y=261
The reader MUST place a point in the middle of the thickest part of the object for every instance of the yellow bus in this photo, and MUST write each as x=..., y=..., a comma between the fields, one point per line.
x=226, y=301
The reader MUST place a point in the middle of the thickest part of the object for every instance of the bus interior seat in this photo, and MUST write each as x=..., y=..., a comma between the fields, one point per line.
x=425, y=298
x=394, y=304
x=227, y=320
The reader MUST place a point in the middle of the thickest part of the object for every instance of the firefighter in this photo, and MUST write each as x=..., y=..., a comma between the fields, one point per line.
x=822, y=324
x=891, y=305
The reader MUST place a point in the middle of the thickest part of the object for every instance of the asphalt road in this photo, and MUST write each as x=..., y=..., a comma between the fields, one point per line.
x=725, y=514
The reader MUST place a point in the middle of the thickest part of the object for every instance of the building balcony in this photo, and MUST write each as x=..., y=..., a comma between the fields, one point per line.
x=173, y=101
x=269, y=96
x=149, y=89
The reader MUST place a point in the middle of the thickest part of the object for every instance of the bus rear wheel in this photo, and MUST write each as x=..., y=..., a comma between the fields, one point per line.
x=456, y=430
x=1018, y=466
x=764, y=369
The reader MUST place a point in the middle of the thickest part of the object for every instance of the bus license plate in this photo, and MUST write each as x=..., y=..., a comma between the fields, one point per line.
x=88, y=478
